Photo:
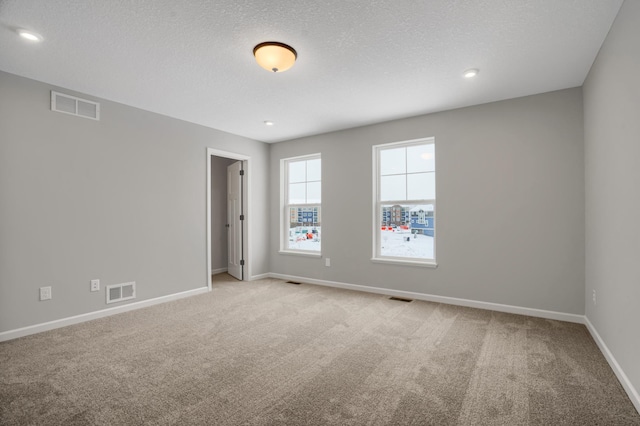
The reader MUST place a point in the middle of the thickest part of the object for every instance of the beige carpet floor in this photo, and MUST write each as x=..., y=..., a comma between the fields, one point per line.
x=271, y=353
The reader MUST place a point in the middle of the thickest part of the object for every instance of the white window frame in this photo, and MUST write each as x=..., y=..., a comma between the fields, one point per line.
x=377, y=207
x=284, y=206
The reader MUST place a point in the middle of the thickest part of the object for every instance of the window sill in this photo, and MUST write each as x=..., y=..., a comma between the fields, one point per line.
x=424, y=264
x=301, y=253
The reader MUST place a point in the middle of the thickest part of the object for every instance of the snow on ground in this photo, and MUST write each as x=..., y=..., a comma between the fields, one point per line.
x=305, y=245
x=299, y=241
x=396, y=244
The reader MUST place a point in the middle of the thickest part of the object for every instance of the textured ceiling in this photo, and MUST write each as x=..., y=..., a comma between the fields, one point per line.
x=359, y=62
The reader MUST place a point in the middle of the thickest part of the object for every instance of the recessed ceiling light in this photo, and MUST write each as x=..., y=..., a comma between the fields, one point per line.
x=268, y=123
x=29, y=35
x=470, y=73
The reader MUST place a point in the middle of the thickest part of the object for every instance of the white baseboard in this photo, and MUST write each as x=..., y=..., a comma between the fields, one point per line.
x=624, y=380
x=540, y=313
x=38, y=328
x=259, y=277
x=218, y=271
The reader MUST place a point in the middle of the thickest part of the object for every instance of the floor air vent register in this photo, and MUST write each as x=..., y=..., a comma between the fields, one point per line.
x=401, y=299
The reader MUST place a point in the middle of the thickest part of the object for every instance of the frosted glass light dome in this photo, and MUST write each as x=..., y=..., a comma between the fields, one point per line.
x=274, y=56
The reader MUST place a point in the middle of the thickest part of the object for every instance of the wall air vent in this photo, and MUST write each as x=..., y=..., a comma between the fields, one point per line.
x=120, y=292
x=68, y=104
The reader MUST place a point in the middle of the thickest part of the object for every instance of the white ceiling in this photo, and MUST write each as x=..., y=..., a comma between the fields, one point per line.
x=359, y=62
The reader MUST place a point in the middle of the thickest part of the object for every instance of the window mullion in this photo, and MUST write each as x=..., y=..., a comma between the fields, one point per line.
x=406, y=174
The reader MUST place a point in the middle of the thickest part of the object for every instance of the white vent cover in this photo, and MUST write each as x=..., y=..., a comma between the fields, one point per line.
x=75, y=106
x=120, y=292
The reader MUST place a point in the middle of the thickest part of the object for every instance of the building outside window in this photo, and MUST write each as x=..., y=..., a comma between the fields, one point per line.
x=405, y=202
x=422, y=220
x=301, y=204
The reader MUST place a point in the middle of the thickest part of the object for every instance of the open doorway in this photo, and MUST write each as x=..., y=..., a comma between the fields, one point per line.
x=227, y=214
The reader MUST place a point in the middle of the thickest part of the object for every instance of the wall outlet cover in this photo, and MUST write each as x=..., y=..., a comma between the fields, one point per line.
x=45, y=293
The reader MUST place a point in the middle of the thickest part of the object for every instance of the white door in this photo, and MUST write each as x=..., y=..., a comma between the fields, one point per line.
x=234, y=211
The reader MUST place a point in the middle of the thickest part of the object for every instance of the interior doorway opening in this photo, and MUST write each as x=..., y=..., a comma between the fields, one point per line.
x=227, y=215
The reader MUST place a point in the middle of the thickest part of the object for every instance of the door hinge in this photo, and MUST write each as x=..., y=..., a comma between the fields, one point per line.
x=242, y=262
x=241, y=217
x=241, y=172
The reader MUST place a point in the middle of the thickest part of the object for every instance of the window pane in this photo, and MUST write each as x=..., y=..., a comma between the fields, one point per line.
x=421, y=186
x=393, y=188
x=393, y=161
x=296, y=193
x=304, y=228
x=297, y=171
x=421, y=158
x=407, y=231
x=314, y=171
x=313, y=192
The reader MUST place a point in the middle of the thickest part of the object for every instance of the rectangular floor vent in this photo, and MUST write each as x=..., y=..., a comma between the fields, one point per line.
x=68, y=104
x=293, y=282
x=120, y=292
x=400, y=299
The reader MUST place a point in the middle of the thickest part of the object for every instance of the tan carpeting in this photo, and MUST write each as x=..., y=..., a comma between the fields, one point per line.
x=271, y=353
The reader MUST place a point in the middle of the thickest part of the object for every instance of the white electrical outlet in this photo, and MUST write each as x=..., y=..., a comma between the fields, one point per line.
x=327, y=261
x=594, y=297
x=45, y=293
x=95, y=285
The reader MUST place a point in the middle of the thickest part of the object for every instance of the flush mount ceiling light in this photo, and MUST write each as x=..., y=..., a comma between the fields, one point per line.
x=268, y=123
x=274, y=56
x=29, y=35
x=470, y=73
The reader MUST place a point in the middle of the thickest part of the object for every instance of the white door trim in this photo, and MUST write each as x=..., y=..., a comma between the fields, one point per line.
x=247, y=209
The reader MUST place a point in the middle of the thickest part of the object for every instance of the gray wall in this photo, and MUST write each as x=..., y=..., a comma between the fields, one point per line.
x=612, y=164
x=510, y=204
x=219, y=238
x=121, y=199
